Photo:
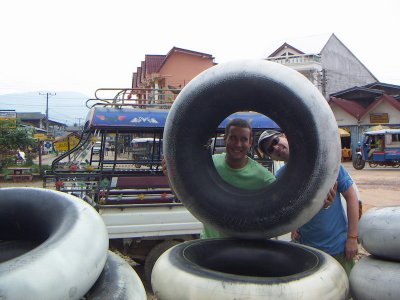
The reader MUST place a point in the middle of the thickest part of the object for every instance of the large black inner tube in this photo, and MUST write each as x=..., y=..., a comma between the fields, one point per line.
x=295, y=105
x=256, y=258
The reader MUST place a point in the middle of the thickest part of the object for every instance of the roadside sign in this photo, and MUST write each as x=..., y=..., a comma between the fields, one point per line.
x=40, y=136
x=48, y=146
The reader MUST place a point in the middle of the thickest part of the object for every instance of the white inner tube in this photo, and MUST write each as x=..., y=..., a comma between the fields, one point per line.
x=72, y=250
x=247, y=269
x=375, y=279
x=379, y=232
x=117, y=281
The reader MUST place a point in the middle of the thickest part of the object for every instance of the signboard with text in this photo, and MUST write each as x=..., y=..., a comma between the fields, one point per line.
x=40, y=136
x=379, y=118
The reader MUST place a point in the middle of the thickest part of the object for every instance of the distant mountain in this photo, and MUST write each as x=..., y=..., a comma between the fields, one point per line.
x=64, y=107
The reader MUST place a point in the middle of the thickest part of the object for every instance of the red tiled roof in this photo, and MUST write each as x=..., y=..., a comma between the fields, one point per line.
x=134, y=80
x=139, y=75
x=352, y=107
x=153, y=63
x=143, y=74
x=176, y=49
x=384, y=97
x=391, y=100
x=356, y=110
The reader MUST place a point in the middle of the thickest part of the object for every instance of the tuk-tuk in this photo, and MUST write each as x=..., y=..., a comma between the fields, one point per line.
x=378, y=148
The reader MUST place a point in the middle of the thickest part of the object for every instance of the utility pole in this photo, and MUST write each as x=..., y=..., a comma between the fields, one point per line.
x=79, y=121
x=324, y=81
x=47, y=109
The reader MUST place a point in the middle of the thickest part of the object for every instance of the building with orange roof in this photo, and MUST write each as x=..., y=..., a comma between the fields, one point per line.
x=168, y=72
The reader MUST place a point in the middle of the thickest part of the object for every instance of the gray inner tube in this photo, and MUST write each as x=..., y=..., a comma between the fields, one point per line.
x=117, y=281
x=248, y=269
x=71, y=238
x=375, y=279
x=295, y=105
x=379, y=232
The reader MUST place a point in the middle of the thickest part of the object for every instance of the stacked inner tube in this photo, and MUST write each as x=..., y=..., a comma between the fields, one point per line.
x=117, y=281
x=377, y=276
x=230, y=269
x=247, y=269
x=53, y=245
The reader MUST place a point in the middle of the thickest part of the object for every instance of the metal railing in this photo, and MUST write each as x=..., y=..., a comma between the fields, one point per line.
x=296, y=59
x=134, y=97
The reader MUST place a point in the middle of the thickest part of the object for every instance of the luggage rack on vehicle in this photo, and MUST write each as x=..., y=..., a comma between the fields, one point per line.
x=134, y=97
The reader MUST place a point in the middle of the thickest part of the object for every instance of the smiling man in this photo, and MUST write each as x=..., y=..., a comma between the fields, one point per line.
x=235, y=167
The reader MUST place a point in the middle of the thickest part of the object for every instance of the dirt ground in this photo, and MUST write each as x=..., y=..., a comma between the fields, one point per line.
x=377, y=186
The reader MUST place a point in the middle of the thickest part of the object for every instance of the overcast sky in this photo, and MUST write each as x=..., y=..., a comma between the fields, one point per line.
x=82, y=45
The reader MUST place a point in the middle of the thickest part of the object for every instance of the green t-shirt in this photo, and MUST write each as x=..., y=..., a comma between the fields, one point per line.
x=251, y=177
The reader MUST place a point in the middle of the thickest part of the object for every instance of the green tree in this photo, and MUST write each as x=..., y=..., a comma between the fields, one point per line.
x=15, y=137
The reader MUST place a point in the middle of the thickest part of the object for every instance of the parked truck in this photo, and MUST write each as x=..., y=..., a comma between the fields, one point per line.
x=116, y=167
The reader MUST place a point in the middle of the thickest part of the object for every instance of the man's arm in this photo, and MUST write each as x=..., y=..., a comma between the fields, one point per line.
x=330, y=197
x=352, y=217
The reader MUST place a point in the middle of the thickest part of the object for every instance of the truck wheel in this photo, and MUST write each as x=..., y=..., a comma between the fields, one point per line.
x=154, y=254
x=117, y=281
x=372, y=164
x=376, y=279
x=65, y=228
x=295, y=104
x=379, y=232
x=247, y=269
x=358, y=163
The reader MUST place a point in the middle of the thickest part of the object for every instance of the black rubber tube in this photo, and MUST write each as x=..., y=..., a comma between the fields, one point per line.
x=295, y=105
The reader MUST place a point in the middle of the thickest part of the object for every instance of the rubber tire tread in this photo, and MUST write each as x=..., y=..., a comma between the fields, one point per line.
x=295, y=104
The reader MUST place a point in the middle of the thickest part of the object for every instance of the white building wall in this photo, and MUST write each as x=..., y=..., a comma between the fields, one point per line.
x=384, y=107
x=343, y=69
x=342, y=117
